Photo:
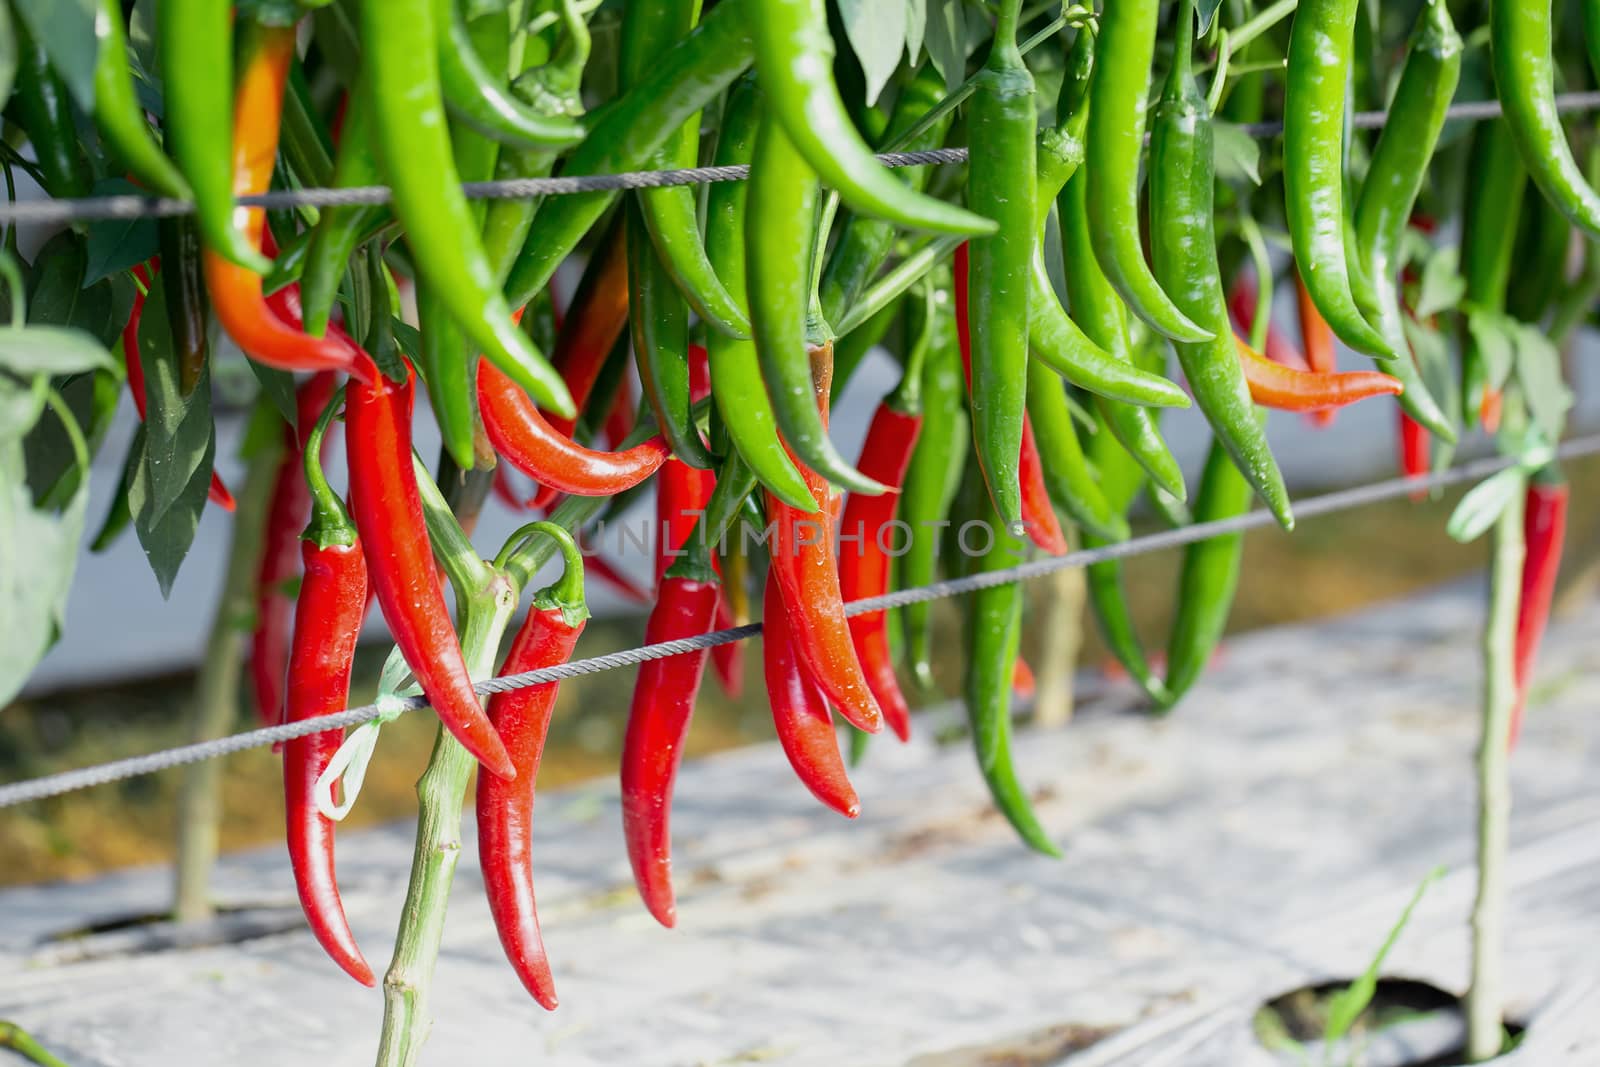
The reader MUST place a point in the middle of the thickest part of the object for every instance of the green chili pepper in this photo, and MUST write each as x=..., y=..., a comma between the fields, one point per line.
x=682, y=80
x=1001, y=125
x=341, y=228
x=1524, y=74
x=408, y=127
x=737, y=390
x=1495, y=187
x=44, y=111
x=1399, y=163
x=118, y=115
x=864, y=242
x=779, y=222
x=660, y=330
x=930, y=484
x=1184, y=250
x=669, y=214
x=1543, y=236
x=993, y=632
x=1097, y=308
x=1115, y=137
x=199, y=117
x=1210, y=577
x=1313, y=174
x=1067, y=475
x=475, y=89
x=794, y=58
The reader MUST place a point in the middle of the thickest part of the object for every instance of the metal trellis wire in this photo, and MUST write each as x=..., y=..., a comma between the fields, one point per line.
x=134, y=207
x=1327, y=503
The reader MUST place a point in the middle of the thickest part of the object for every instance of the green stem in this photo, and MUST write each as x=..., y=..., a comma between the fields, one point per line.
x=1262, y=322
x=1253, y=28
x=887, y=289
x=18, y=1040
x=440, y=794
x=216, y=699
x=1485, y=995
x=451, y=546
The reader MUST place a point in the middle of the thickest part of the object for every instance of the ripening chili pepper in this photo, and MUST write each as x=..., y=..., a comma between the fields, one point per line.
x=1209, y=577
x=1184, y=247
x=236, y=291
x=328, y=614
x=1023, y=683
x=620, y=417
x=1273, y=385
x=478, y=96
x=505, y=807
x=593, y=322
x=218, y=492
x=866, y=527
x=1242, y=304
x=930, y=483
x=807, y=571
x=1316, y=341
x=993, y=631
x=401, y=48
x=1415, y=461
x=387, y=506
x=779, y=221
x=1115, y=137
x=200, y=119
x=1544, y=531
x=794, y=59
x=682, y=80
x=1104, y=318
x=179, y=241
x=800, y=712
x=740, y=395
x=1399, y=162
x=669, y=215
x=658, y=723
x=118, y=114
x=1524, y=75
x=1320, y=43
x=1068, y=479
x=287, y=514
x=42, y=108
x=865, y=242
x=520, y=434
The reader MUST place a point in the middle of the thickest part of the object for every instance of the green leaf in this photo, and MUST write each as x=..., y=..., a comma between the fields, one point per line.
x=120, y=515
x=38, y=554
x=948, y=40
x=1347, y=1005
x=180, y=438
x=8, y=53
x=277, y=386
x=1441, y=287
x=52, y=449
x=1538, y=368
x=58, y=297
x=1237, y=154
x=877, y=34
x=51, y=350
x=166, y=536
x=1483, y=504
x=116, y=245
x=1206, y=10
x=66, y=29
x=916, y=29
x=1494, y=335
x=407, y=338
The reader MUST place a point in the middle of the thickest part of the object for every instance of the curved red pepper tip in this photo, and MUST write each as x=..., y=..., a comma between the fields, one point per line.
x=219, y=494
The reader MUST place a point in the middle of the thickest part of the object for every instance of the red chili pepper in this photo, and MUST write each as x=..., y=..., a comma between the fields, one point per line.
x=388, y=513
x=807, y=571
x=1038, y=514
x=621, y=418
x=1414, y=458
x=280, y=553
x=532, y=444
x=505, y=808
x=658, y=723
x=235, y=290
x=333, y=601
x=1316, y=341
x=867, y=528
x=1023, y=682
x=800, y=712
x=1242, y=306
x=682, y=493
x=218, y=492
x=591, y=325
x=1276, y=386
x=1489, y=408
x=1544, y=531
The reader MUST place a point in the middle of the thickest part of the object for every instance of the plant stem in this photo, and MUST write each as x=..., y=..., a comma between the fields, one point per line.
x=440, y=792
x=1062, y=625
x=1485, y=996
x=18, y=1040
x=216, y=699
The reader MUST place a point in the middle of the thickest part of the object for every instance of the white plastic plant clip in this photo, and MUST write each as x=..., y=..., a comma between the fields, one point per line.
x=348, y=768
